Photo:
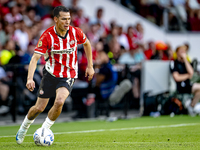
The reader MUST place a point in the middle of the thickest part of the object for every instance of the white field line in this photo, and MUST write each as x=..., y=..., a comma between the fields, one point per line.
x=115, y=142
x=119, y=129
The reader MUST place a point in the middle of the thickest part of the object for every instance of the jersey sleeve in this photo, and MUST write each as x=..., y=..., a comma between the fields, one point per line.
x=42, y=45
x=81, y=37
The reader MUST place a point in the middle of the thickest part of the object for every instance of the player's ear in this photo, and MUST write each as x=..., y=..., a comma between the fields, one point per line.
x=55, y=19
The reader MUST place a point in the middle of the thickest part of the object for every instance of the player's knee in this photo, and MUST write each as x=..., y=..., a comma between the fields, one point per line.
x=39, y=109
x=198, y=91
x=59, y=102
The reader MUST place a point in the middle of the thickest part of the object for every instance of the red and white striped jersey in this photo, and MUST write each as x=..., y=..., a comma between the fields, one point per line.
x=60, y=53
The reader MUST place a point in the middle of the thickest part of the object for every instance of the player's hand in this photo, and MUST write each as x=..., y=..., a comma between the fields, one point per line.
x=184, y=56
x=30, y=84
x=89, y=72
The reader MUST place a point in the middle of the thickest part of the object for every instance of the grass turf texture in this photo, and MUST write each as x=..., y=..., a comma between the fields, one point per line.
x=179, y=132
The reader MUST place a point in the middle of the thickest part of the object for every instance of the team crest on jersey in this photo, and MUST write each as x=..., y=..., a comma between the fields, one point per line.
x=72, y=42
x=40, y=44
x=41, y=92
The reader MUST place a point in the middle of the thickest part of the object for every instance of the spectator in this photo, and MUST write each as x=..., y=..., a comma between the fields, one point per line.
x=165, y=3
x=160, y=48
x=106, y=77
x=113, y=33
x=139, y=57
x=194, y=8
x=179, y=6
x=114, y=50
x=93, y=34
x=9, y=29
x=139, y=54
x=135, y=67
x=30, y=18
x=4, y=91
x=187, y=49
x=56, y=3
x=98, y=47
x=74, y=6
x=21, y=36
x=182, y=72
x=122, y=38
x=169, y=52
x=34, y=33
x=7, y=53
x=130, y=36
x=99, y=19
x=4, y=9
x=44, y=8
x=155, y=10
x=151, y=50
x=138, y=34
x=14, y=15
x=22, y=7
x=128, y=57
x=80, y=19
x=2, y=34
x=19, y=71
x=106, y=81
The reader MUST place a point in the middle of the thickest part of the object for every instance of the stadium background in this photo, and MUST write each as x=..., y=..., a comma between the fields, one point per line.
x=158, y=23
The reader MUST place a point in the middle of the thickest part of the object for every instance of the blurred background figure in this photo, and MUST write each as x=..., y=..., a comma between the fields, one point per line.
x=4, y=92
x=124, y=40
x=160, y=54
x=106, y=88
x=14, y=15
x=182, y=72
x=99, y=18
x=194, y=8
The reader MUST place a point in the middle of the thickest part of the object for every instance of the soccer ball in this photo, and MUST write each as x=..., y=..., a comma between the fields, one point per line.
x=43, y=137
x=197, y=108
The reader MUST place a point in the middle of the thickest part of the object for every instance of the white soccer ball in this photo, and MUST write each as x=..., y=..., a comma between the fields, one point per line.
x=43, y=137
x=197, y=108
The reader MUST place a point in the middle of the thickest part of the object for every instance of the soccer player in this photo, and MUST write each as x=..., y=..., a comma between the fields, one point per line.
x=58, y=44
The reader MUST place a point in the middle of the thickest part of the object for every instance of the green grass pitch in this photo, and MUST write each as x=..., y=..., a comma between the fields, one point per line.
x=145, y=133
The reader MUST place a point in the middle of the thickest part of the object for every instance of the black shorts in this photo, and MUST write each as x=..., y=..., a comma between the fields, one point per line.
x=50, y=84
x=186, y=89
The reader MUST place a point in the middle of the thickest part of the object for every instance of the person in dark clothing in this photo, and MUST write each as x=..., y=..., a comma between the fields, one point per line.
x=182, y=72
x=106, y=88
x=106, y=77
x=18, y=66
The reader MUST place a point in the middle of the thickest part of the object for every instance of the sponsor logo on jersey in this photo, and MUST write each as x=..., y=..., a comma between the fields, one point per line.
x=64, y=51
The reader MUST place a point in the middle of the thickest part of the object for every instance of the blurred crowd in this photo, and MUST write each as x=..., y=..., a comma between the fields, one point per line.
x=23, y=21
x=182, y=14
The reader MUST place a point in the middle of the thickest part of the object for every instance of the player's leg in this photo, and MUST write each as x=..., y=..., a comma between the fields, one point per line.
x=61, y=94
x=33, y=112
x=196, y=92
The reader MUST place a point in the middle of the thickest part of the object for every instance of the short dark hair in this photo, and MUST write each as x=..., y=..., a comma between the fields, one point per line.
x=58, y=9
